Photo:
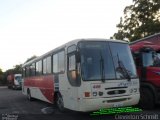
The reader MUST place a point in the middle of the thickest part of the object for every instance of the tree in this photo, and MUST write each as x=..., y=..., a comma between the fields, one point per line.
x=140, y=20
x=1, y=77
x=17, y=69
x=5, y=74
x=1, y=71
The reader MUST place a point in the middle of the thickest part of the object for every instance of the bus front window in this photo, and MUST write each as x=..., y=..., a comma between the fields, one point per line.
x=99, y=61
x=96, y=61
x=123, y=60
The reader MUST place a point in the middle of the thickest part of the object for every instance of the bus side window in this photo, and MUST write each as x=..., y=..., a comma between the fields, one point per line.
x=39, y=68
x=37, y=72
x=32, y=69
x=58, y=62
x=44, y=66
x=61, y=62
x=55, y=63
x=27, y=71
x=23, y=72
x=48, y=69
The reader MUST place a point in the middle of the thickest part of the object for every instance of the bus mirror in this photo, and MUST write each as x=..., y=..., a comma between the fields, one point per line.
x=78, y=59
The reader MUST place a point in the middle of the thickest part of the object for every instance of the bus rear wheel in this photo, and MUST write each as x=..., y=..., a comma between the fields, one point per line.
x=59, y=102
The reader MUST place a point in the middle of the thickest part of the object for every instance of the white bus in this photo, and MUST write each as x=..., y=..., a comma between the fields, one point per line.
x=84, y=75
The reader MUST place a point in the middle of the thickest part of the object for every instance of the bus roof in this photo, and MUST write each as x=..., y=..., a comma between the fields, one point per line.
x=68, y=44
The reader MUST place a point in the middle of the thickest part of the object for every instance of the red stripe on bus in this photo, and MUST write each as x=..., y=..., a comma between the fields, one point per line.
x=44, y=83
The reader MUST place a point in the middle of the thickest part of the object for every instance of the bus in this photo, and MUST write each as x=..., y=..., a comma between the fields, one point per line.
x=84, y=75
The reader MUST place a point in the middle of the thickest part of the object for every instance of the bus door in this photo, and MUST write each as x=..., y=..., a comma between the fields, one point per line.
x=74, y=81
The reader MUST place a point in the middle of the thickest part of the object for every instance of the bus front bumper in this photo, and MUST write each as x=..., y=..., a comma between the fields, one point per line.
x=101, y=103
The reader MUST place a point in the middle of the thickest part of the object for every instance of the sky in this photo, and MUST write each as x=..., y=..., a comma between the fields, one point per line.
x=34, y=27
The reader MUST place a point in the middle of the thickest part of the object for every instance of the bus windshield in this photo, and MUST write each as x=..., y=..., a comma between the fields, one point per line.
x=106, y=61
x=151, y=59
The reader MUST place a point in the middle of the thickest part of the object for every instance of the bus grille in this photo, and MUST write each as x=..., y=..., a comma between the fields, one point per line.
x=115, y=92
x=118, y=100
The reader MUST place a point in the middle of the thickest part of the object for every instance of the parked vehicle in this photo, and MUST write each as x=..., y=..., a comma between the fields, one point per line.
x=84, y=75
x=14, y=81
x=146, y=54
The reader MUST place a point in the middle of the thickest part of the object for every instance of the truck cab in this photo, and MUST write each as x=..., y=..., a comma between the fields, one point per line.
x=147, y=59
x=14, y=81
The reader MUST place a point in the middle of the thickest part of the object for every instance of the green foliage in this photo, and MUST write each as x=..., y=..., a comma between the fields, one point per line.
x=16, y=70
x=1, y=71
x=1, y=77
x=140, y=20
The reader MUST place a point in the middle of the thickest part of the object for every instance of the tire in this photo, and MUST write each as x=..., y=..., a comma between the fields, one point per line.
x=59, y=102
x=147, y=100
x=29, y=95
x=13, y=87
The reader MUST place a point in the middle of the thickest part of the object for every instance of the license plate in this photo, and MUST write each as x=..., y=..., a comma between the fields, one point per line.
x=118, y=105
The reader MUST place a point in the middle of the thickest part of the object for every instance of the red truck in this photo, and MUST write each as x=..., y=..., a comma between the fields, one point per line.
x=146, y=53
x=14, y=81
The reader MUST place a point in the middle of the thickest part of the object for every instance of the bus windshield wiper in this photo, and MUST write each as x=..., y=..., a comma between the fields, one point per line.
x=102, y=70
x=122, y=69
